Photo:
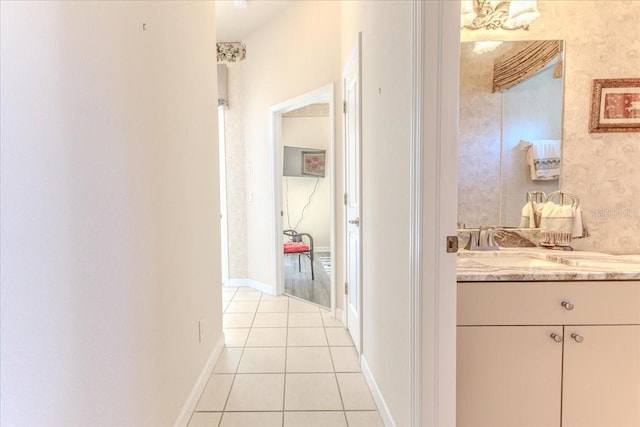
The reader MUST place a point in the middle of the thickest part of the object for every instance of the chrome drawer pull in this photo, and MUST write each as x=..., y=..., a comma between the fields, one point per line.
x=577, y=338
x=556, y=337
x=567, y=305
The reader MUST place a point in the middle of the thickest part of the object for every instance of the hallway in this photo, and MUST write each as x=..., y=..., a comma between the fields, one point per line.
x=285, y=363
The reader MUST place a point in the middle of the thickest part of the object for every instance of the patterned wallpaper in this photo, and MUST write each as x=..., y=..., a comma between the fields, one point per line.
x=479, y=141
x=236, y=179
x=311, y=110
x=602, y=169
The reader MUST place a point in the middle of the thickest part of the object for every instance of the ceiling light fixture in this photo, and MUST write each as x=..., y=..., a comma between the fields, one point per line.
x=492, y=15
x=240, y=4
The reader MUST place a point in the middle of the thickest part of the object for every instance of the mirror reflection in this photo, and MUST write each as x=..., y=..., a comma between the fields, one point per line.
x=511, y=98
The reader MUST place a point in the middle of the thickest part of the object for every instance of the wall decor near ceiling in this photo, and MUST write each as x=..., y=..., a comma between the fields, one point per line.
x=231, y=51
x=498, y=14
x=615, y=105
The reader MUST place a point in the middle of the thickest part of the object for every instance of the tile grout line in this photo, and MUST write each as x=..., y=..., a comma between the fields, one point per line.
x=244, y=346
x=236, y=370
x=344, y=412
x=226, y=402
x=286, y=351
x=335, y=375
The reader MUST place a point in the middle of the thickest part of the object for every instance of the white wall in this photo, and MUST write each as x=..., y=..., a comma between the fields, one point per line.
x=386, y=125
x=109, y=215
x=296, y=53
x=308, y=132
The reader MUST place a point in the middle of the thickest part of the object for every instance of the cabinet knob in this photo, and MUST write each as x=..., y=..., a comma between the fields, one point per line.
x=577, y=338
x=568, y=305
x=556, y=337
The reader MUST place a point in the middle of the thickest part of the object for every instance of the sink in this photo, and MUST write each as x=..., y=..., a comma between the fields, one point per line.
x=557, y=260
x=612, y=265
x=507, y=261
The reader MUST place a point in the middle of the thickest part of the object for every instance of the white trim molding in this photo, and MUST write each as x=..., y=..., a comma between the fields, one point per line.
x=415, y=215
x=435, y=81
x=383, y=409
x=254, y=284
x=340, y=314
x=190, y=405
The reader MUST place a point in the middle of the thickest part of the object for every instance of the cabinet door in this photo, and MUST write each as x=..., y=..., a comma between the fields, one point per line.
x=508, y=376
x=601, y=376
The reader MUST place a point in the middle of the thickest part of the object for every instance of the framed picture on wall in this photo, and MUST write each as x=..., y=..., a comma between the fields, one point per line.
x=615, y=105
x=313, y=163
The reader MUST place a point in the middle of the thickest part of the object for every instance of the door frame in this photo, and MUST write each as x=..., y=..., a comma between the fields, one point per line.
x=224, y=220
x=322, y=94
x=433, y=172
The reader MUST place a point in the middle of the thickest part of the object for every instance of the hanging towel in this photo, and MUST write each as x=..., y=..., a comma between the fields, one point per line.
x=544, y=160
x=530, y=217
x=556, y=224
x=580, y=229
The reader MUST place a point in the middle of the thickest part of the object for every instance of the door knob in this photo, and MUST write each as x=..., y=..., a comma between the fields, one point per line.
x=568, y=305
x=577, y=338
x=355, y=222
x=556, y=337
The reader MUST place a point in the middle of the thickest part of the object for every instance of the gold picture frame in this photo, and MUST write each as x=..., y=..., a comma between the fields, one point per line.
x=313, y=163
x=615, y=105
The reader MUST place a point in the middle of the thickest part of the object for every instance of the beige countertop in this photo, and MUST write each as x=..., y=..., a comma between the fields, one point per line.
x=539, y=264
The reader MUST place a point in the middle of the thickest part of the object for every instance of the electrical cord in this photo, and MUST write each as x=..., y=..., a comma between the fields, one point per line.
x=315, y=187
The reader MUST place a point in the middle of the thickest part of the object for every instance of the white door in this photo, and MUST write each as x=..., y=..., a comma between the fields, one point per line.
x=353, y=251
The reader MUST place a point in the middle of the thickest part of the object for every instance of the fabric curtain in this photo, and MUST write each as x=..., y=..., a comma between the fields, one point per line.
x=513, y=68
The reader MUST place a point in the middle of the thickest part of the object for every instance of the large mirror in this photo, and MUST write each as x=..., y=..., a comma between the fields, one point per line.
x=511, y=97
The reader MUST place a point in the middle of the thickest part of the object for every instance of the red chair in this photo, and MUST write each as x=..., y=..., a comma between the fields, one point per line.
x=297, y=246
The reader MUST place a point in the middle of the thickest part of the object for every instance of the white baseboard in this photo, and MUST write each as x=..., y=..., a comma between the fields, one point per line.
x=194, y=396
x=383, y=409
x=340, y=315
x=236, y=283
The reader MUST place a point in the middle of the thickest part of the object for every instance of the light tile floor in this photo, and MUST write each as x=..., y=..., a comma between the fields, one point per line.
x=286, y=363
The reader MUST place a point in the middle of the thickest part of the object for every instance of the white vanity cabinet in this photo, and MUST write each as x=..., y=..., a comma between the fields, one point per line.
x=601, y=376
x=548, y=354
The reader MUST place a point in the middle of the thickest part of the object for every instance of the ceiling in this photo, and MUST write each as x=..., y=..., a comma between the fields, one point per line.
x=234, y=24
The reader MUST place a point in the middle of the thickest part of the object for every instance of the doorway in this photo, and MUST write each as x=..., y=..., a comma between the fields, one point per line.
x=302, y=150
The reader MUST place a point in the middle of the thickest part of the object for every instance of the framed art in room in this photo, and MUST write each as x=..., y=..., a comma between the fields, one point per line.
x=313, y=163
x=615, y=105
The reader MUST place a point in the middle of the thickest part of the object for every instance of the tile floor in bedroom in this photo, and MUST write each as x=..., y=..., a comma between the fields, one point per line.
x=286, y=363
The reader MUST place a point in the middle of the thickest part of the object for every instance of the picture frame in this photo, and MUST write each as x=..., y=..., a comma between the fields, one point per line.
x=313, y=163
x=615, y=105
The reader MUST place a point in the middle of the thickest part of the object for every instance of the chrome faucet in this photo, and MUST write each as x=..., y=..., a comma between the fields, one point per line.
x=481, y=239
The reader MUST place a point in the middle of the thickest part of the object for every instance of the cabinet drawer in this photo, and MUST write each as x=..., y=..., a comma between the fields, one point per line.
x=540, y=303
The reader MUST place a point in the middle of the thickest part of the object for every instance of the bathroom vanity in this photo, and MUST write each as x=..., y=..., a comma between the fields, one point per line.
x=548, y=338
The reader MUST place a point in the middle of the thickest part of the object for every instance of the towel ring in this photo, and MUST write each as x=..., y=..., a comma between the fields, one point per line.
x=536, y=196
x=575, y=202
